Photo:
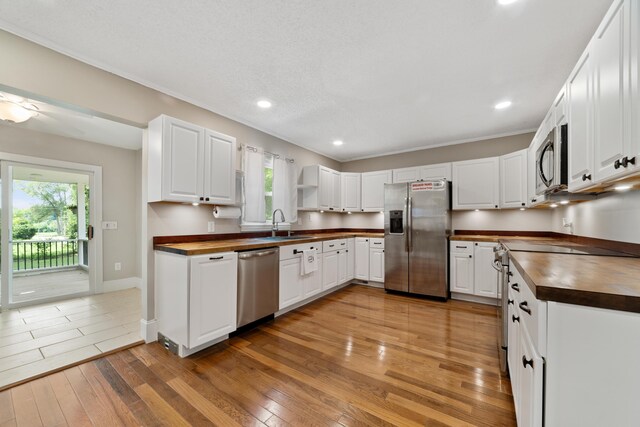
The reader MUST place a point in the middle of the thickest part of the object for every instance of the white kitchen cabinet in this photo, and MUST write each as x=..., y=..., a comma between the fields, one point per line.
x=362, y=258
x=580, y=108
x=513, y=179
x=373, y=190
x=462, y=273
x=406, y=174
x=437, y=171
x=611, y=92
x=513, y=348
x=351, y=258
x=350, y=192
x=343, y=261
x=196, y=298
x=485, y=277
x=291, y=286
x=329, y=270
x=376, y=264
x=188, y=163
x=320, y=188
x=530, y=382
x=560, y=107
x=476, y=184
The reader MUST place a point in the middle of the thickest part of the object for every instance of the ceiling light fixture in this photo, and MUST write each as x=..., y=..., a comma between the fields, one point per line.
x=502, y=105
x=263, y=103
x=506, y=2
x=622, y=187
x=337, y=142
x=17, y=112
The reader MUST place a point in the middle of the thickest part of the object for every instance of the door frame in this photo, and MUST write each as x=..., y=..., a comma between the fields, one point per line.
x=95, y=201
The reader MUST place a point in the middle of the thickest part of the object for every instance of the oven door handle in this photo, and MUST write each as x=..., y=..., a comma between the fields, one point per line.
x=497, y=265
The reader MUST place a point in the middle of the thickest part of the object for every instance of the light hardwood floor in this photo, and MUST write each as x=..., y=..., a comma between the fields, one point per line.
x=29, y=286
x=356, y=357
x=39, y=339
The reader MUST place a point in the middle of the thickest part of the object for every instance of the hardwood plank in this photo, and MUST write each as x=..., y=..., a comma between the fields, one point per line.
x=202, y=404
x=98, y=413
x=47, y=403
x=24, y=406
x=166, y=413
x=6, y=408
x=70, y=405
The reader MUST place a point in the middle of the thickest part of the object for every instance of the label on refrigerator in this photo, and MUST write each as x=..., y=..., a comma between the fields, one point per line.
x=426, y=186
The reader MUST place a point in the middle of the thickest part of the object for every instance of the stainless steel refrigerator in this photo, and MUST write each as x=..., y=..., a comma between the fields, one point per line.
x=417, y=224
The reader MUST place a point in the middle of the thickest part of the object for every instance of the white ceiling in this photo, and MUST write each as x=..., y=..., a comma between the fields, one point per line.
x=74, y=124
x=384, y=76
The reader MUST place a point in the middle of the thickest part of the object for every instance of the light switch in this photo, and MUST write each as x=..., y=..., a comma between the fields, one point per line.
x=109, y=225
x=211, y=227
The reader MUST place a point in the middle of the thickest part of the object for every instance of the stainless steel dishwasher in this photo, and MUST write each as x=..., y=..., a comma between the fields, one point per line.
x=258, y=284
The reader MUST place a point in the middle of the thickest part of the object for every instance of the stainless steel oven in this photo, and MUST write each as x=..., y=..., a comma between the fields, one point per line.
x=501, y=263
x=552, y=162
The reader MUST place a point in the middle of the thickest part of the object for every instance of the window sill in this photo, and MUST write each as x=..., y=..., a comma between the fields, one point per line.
x=257, y=226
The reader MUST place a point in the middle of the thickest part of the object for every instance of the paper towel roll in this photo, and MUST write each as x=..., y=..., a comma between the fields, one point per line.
x=224, y=212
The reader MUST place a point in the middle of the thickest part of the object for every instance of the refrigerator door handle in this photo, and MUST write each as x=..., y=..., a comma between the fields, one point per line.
x=406, y=218
x=409, y=225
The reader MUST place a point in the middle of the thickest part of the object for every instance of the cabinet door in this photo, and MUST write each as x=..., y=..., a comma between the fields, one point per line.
x=513, y=350
x=212, y=297
x=580, y=88
x=219, y=168
x=350, y=192
x=362, y=259
x=485, y=277
x=335, y=191
x=476, y=184
x=325, y=188
x=439, y=171
x=351, y=258
x=329, y=270
x=342, y=266
x=182, y=161
x=513, y=179
x=610, y=90
x=373, y=190
x=406, y=175
x=633, y=104
x=312, y=282
x=560, y=108
x=462, y=273
x=291, y=284
x=376, y=265
x=530, y=379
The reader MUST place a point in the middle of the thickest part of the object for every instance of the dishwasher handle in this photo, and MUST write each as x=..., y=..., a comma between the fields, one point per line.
x=255, y=254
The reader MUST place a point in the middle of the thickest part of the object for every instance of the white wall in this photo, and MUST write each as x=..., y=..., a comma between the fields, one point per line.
x=507, y=220
x=613, y=216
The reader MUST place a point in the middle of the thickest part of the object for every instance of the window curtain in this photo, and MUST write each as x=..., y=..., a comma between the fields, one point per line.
x=253, y=167
x=285, y=189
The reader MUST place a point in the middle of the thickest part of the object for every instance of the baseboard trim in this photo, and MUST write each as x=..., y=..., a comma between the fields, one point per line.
x=149, y=330
x=121, y=284
x=474, y=298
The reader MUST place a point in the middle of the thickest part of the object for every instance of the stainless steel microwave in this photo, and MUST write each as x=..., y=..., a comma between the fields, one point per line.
x=552, y=162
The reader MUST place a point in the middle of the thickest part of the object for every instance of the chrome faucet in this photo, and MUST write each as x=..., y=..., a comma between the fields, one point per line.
x=275, y=223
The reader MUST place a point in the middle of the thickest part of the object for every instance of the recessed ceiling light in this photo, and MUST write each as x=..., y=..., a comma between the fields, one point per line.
x=502, y=105
x=553, y=205
x=337, y=142
x=506, y=2
x=622, y=187
x=263, y=103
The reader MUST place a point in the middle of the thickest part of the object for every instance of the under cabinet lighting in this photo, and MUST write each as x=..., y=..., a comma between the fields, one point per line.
x=477, y=210
x=321, y=211
x=553, y=205
x=382, y=212
x=564, y=202
x=622, y=187
x=195, y=204
x=348, y=213
x=522, y=209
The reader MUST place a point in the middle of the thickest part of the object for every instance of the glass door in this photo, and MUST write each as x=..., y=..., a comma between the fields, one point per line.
x=46, y=230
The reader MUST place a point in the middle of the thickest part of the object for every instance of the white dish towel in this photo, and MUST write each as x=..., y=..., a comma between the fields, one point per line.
x=309, y=262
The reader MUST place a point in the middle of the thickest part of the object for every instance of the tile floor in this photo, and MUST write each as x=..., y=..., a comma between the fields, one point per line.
x=39, y=339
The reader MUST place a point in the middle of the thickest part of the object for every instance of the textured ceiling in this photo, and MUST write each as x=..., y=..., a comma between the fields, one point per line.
x=384, y=76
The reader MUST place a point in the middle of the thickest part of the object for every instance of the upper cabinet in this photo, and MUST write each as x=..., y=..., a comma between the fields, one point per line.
x=350, y=192
x=373, y=190
x=439, y=171
x=513, y=179
x=188, y=163
x=320, y=189
x=476, y=184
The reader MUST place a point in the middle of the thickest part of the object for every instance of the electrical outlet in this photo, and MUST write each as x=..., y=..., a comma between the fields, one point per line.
x=118, y=266
x=211, y=227
x=299, y=221
x=109, y=225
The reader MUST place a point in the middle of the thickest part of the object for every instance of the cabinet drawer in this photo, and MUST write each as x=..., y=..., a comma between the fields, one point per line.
x=334, y=245
x=376, y=243
x=534, y=318
x=292, y=251
x=461, y=247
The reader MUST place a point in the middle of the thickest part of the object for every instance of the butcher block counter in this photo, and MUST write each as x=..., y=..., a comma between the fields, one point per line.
x=243, y=244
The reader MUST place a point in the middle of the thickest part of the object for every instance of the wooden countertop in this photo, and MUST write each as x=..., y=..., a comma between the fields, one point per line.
x=493, y=238
x=596, y=281
x=230, y=245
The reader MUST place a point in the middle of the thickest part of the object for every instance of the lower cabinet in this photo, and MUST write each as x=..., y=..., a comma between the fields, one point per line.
x=295, y=286
x=376, y=265
x=196, y=298
x=471, y=270
x=351, y=258
x=362, y=258
x=329, y=270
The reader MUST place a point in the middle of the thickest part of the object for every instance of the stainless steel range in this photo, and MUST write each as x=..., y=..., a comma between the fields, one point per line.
x=501, y=263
